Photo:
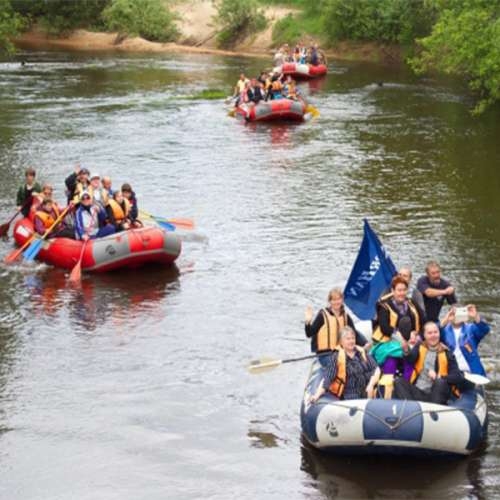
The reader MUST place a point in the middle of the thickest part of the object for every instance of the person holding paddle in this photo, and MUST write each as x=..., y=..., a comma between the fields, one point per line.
x=26, y=192
x=350, y=372
x=324, y=330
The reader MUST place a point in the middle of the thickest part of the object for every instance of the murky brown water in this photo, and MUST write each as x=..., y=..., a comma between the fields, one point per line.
x=134, y=386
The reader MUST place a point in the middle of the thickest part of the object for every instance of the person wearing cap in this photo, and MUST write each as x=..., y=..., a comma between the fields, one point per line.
x=76, y=183
x=90, y=220
x=47, y=213
x=98, y=193
x=27, y=191
x=129, y=195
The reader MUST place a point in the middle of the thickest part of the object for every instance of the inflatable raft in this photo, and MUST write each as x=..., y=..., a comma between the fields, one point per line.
x=274, y=110
x=392, y=426
x=301, y=71
x=130, y=249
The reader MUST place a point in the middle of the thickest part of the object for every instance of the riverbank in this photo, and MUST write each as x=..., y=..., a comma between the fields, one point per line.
x=259, y=46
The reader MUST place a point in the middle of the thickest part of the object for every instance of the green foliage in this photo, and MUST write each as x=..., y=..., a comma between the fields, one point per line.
x=61, y=16
x=10, y=24
x=207, y=94
x=237, y=19
x=393, y=21
x=150, y=19
x=466, y=41
x=294, y=27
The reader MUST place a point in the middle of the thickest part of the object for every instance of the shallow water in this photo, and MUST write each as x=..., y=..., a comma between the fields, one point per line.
x=134, y=385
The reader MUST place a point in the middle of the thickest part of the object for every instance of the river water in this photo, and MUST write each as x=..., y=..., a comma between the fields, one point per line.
x=134, y=385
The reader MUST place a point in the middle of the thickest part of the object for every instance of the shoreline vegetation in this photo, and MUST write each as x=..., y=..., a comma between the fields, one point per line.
x=442, y=36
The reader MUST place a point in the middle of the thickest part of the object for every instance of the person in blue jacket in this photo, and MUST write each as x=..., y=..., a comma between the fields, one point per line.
x=90, y=220
x=463, y=338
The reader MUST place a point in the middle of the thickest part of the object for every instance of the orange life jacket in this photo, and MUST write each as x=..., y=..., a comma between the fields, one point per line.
x=118, y=212
x=46, y=218
x=378, y=335
x=442, y=362
x=328, y=335
x=277, y=86
x=338, y=384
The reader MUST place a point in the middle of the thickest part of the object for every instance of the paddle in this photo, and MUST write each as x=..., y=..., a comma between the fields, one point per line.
x=311, y=111
x=76, y=272
x=4, y=228
x=266, y=364
x=35, y=247
x=476, y=378
x=169, y=224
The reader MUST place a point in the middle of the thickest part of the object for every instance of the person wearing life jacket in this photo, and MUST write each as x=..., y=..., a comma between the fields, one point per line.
x=351, y=373
x=290, y=89
x=27, y=192
x=76, y=183
x=435, y=373
x=90, y=220
x=106, y=184
x=98, y=193
x=254, y=92
x=36, y=204
x=47, y=213
x=129, y=195
x=462, y=336
x=276, y=89
x=118, y=210
x=324, y=330
x=406, y=273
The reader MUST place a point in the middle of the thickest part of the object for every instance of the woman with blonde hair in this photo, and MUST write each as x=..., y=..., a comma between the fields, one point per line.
x=324, y=330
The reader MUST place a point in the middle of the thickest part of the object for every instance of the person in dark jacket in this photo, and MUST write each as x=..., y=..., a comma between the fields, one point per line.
x=76, y=184
x=255, y=93
x=435, y=371
x=324, y=330
x=26, y=192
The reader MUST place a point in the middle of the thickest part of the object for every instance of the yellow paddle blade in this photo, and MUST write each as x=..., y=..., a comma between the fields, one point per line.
x=314, y=112
x=232, y=113
x=263, y=365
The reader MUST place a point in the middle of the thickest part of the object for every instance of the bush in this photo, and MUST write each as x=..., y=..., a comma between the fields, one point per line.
x=10, y=24
x=237, y=19
x=147, y=18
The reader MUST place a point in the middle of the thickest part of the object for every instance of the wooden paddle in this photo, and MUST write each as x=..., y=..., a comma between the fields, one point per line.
x=76, y=272
x=266, y=364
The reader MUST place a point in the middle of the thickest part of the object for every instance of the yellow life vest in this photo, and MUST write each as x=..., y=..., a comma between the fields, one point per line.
x=378, y=335
x=118, y=213
x=277, y=86
x=104, y=195
x=419, y=364
x=328, y=335
x=46, y=218
x=338, y=384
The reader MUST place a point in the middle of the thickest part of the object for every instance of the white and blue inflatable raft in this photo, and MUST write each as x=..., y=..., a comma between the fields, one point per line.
x=393, y=426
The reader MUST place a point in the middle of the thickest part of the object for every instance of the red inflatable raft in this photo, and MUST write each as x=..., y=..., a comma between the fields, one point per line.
x=301, y=71
x=131, y=249
x=275, y=110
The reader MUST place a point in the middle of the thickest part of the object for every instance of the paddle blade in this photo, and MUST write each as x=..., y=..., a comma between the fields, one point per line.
x=312, y=111
x=232, y=113
x=476, y=379
x=182, y=223
x=166, y=225
x=263, y=365
x=4, y=229
x=32, y=251
x=76, y=273
x=14, y=255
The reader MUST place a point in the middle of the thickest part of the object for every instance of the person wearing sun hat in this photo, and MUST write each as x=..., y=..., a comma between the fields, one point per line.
x=90, y=220
x=98, y=193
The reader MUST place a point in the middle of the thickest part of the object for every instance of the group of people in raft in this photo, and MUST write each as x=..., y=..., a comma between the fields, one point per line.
x=95, y=209
x=413, y=354
x=300, y=55
x=266, y=86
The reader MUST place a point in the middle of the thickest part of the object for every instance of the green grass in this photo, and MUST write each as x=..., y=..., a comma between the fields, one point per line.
x=207, y=94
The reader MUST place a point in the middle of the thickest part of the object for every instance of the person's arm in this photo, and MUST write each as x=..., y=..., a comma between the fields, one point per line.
x=383, y=319
x=422, y=317
x=329, y=374
x=360, y=338
x=437, y=292
x=134, y=212
x=370, y=387
x=109, y=215
x=479, y=328
x=313, y=328
x=39, y=226
x=79, y=229
x=412, y=355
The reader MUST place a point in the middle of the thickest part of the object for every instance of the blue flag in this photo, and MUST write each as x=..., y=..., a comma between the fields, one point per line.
x=371, y=274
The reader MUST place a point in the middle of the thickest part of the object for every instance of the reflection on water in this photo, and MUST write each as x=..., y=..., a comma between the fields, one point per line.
x=139, y=377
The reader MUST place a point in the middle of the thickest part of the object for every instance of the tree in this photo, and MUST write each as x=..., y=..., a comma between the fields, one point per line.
x=10, y=24
x=465, y=41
